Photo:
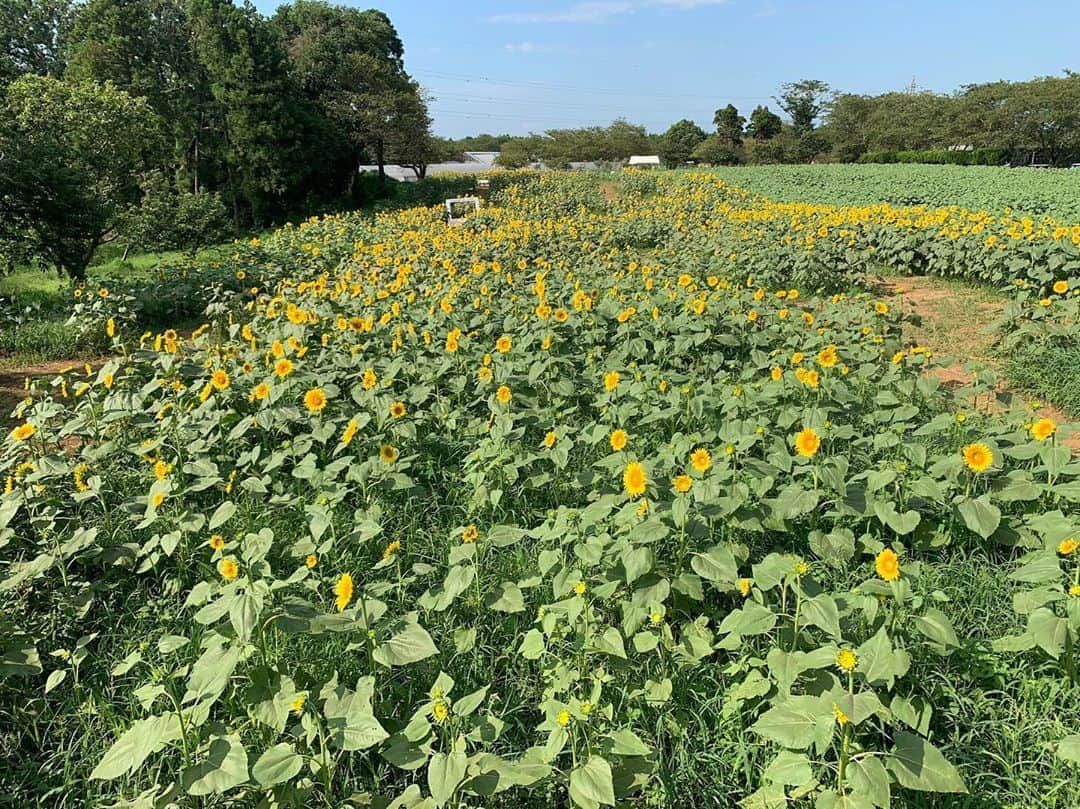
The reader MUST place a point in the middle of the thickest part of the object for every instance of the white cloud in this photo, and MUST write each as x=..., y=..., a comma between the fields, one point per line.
x=601, y=10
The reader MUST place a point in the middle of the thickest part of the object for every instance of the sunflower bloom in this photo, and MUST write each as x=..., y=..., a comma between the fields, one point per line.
x=887, y=565
x=1043, y=429
x=634, y=479
x=807, y=442
x=228, y=569
x=618, y=439
x=846, y=660
x=682, y=483
x=315, y=400
x=978, y=457
x=701, y=459
x=388, y=453
x=343, y=591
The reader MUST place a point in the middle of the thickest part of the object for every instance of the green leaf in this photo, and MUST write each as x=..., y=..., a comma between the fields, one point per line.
x=880, y=662
x=410, y=645
x=1069, y=748
x=624, y=742
x=508, y=598
x=224, y=767
x=936, y=626
x=222, y=514
x=980, y=515
x=132, y=748
x=789, y=768
x=1048, y=631
x=821, y=611
x=611, y=642
x=55, y=678
x=793, y=723
x=716, y=565
x=917, y=764
x=591, y=784
x=1045, y=568
x=869, y=777
x=470, y=702
x=445, y=774
x=278, y=764
x=19, y=657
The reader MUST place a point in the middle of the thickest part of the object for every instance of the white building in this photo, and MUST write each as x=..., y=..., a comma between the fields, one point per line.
x=645, y=161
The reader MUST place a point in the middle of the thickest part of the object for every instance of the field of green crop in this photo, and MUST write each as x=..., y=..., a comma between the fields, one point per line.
x=1031, y=192
x=624, y=492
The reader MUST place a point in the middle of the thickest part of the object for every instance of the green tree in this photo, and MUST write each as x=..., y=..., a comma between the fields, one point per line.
x=255, y=118
x=717, y=150
x=411, y=142
x=729, y=124
x=33, y=34
x=71, y=157
x=679, y=142
x=804, y=102
x=764, y=124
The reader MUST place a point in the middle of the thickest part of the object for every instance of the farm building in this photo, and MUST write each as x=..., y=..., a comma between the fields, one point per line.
x=644, y=161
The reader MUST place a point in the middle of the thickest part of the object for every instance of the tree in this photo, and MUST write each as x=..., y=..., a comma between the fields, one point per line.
x=804, y=101
x=71, y=156
x=32, y=37
x=518, y=153
x=729, y=124
x=145, y=48
x=350, y=65
x=255, y=116
x=411, y=142
x=764, y=124
x=716, y=150
x=680, y=140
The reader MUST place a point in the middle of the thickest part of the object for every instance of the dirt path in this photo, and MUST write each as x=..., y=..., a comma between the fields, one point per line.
x=954, y=321
x=13, y=379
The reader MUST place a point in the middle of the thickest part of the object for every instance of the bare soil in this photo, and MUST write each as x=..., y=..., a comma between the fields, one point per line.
x=955, y=321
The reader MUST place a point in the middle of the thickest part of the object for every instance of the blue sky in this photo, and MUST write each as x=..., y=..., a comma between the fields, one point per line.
x=532, y=65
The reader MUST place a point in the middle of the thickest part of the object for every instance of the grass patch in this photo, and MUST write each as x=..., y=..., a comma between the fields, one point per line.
x=1050, y=371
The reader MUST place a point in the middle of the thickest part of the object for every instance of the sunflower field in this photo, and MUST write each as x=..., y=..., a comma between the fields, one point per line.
x=624, y=492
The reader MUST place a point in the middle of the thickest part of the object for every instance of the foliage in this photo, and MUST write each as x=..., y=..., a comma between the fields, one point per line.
x=804, y=101
x=764, y=124
x=519, y=513
x=71, y=157
x=679, y=142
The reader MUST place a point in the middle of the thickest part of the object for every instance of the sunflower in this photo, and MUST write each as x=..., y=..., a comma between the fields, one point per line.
x=1043, y=429
x=807, y=442
x=259, y=392
x=846, y=660
x=485, y=375
x=618, y=439
x=217, y=542
x=634, y=479
x=700, y=459
x=828, y=357
x=744, y=587
x=503, y=344
x=978, y=457
x=550, y=439
x=369, y=379
x=470, y=534
x=23, y=431
x=228, y=569
x=1067, y=547
x=343, y=591
x=388, y=453
x=283, y=367
x=611, y=380
x=315, y=400
x=398, y=410
x=887, y=565
x=219, y=379
x=1061, y=287
x=311, y=561
x=503, y=394
x=682, y=483
x=349, y=433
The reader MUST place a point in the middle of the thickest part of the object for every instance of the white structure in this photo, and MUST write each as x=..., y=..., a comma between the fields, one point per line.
x=474, y=163
x=647, y=161
x=462, y=206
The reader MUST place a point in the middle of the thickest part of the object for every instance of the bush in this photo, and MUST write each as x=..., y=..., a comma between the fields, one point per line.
x=955, y=157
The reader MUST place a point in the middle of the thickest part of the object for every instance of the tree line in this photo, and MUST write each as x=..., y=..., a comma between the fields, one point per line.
x=998, y=122
x=170, y=123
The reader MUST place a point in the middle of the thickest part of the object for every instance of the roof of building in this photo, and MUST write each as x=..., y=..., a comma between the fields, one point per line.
x=644, y=160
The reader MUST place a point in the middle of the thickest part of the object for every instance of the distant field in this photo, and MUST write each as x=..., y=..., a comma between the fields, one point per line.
x=1054, y=192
